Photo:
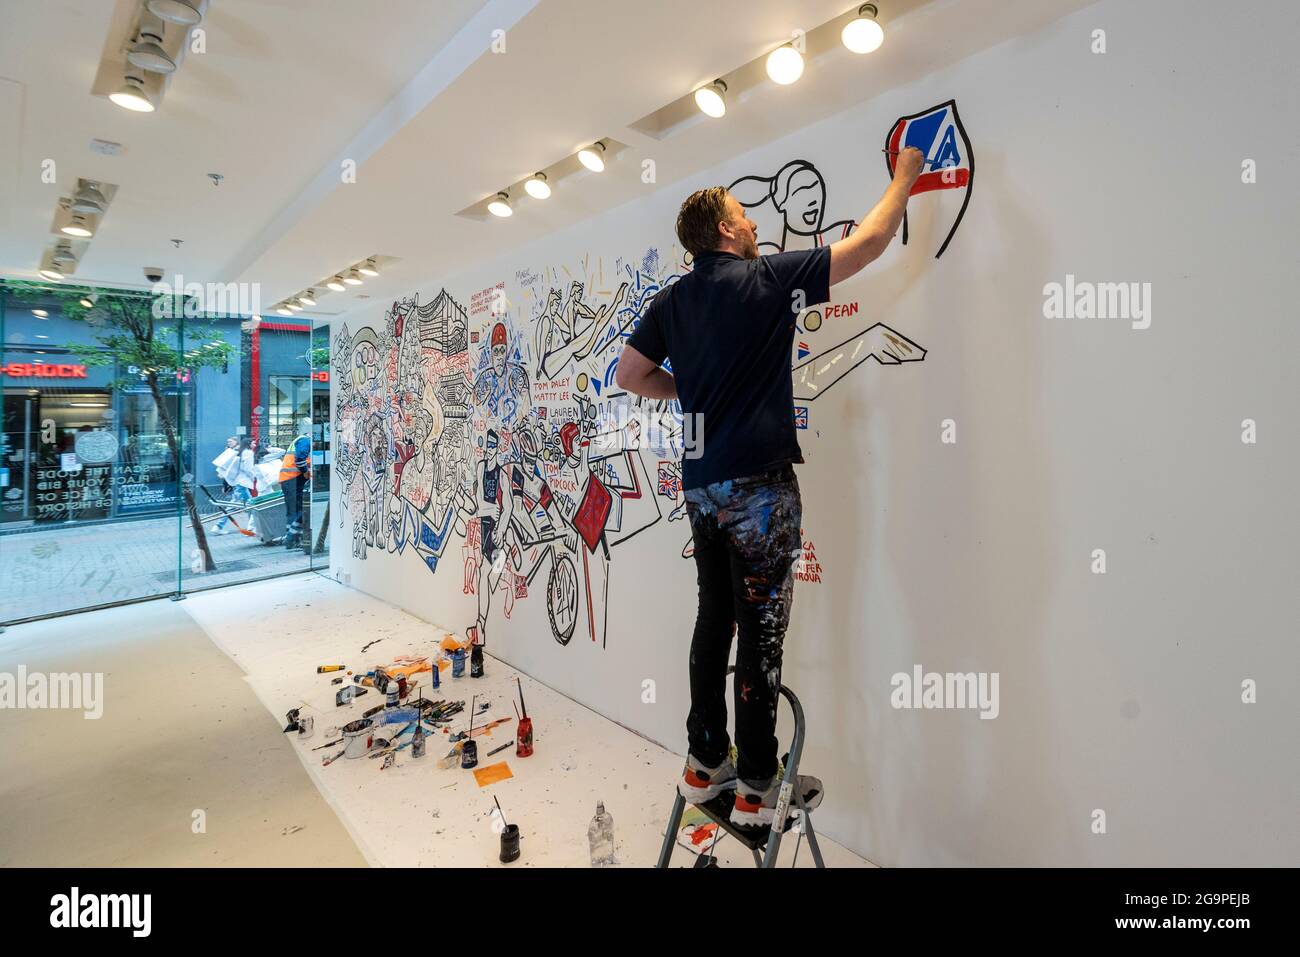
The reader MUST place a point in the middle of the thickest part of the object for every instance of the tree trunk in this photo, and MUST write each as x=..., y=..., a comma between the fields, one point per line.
x=169, y=430
x=324, y=528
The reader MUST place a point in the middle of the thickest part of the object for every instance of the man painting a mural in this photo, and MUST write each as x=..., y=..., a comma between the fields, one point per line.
x=727, y=329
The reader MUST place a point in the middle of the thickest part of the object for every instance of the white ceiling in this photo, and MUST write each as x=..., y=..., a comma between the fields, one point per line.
x=435, y=121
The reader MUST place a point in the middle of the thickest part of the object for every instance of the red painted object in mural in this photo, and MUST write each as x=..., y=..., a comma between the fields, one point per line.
x=590, y=518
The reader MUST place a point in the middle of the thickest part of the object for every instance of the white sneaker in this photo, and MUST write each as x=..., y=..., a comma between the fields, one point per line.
x=700, y=784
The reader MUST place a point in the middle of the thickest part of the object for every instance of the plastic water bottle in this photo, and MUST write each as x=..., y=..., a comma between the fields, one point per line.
x=600, y=835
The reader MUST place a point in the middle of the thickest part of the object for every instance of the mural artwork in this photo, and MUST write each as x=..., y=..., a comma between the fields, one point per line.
x=500, y=425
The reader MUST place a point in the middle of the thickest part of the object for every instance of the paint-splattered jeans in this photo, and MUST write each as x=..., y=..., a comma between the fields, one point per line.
x=747, y=537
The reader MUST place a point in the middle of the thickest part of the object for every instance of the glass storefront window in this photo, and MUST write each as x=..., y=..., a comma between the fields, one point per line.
x=110, y=489
x=290, y=405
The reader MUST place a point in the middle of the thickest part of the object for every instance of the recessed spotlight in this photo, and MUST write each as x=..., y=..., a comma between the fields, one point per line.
x=785, y=65
x=500, y=206
x=353, y=278
x=336, y=284
x=51, y=274
x=537, y=187
x=131, y=95
x=863, y=34
x=593, y=157
x=79, y=227
x=184, y=12
x=308, y=298
x=367, y=268
x=711, y=99
x=40, y=314
x=89, y=200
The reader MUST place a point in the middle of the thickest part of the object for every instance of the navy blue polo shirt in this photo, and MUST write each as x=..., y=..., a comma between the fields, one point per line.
x=727, y=328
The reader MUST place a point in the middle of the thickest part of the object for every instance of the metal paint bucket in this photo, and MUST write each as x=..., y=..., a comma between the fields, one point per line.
x=358, y=736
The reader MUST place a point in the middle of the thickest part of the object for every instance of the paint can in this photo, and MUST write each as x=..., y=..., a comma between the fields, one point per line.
x=524, y=738
x=510, y=843
x=458, y=663
x=469, y=754
x=393, y=695
x=306, y=726
x=358, y=736
x=476, y=662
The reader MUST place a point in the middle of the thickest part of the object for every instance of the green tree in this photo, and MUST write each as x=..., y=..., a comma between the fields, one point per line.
x=162, y=337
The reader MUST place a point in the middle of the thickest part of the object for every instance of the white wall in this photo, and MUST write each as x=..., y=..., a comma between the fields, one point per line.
x=1121, y=691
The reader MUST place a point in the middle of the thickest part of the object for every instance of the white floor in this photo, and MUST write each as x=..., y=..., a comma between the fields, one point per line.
x=416, y=813
x=180, y=732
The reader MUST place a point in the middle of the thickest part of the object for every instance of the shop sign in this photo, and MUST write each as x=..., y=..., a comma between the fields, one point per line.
x=43, y=370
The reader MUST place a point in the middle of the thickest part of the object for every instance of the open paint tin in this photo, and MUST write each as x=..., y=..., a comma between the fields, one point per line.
x=469, y=754
x=510, y=843
x=357, y=737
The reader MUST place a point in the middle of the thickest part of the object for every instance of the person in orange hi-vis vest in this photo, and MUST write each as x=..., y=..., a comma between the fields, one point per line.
x=295, y=476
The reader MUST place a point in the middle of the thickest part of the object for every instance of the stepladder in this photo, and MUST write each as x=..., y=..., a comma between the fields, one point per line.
x=763, y=842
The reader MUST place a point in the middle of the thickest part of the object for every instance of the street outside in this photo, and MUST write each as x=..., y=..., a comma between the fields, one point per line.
x=54, y=568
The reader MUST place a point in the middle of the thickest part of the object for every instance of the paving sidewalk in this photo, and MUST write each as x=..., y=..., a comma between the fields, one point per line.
x=58, y=568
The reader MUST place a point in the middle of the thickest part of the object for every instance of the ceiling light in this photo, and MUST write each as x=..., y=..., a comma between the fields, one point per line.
x=284, y=312
x=353, y=278
x=336, y=284
x=784, y=65
x=710, y=98
x=40, y=314
x=79, y=227
x=184, y=12
x=132, y=96
x=537, y=187
x=592, y=157
x=62, y=259
x=863, y=34
x=52, y=274
x=367, y=268
x=501, y=205
x=148, y=53
x=294, y=306
x=88, y=200
x=308, y=298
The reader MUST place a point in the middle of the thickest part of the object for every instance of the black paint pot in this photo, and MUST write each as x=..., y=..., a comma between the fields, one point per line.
x=510, y=844
x=469, y=754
